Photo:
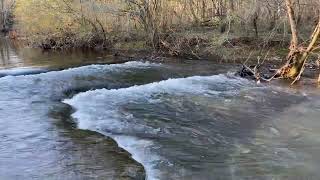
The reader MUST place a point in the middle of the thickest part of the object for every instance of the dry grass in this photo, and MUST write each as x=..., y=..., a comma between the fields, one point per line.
x=109, y=23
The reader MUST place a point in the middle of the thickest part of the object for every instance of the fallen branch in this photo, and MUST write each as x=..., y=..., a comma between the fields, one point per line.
x=255, y=70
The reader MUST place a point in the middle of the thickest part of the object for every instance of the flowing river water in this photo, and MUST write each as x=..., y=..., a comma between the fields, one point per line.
x=76, y=116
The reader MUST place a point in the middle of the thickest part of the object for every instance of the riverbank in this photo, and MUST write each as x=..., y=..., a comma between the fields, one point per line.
x=223, y=31
x=196, y=44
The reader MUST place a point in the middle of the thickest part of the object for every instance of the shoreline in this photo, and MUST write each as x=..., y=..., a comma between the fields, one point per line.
x=240, y=50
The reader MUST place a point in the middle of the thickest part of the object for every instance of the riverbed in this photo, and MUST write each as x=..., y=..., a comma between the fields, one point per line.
x=87, y=115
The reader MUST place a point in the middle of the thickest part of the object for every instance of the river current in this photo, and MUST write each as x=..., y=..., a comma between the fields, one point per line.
x=74, y=116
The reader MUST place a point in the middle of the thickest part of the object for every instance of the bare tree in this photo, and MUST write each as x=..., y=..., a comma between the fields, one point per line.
x=298, y=54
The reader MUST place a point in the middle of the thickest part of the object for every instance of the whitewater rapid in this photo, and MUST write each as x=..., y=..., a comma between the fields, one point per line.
x=32, y=144
x=192, y=127
x=100, y=110
x=178, y=121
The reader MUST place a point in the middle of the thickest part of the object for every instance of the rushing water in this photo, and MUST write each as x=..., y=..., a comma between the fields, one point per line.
x=187, y=120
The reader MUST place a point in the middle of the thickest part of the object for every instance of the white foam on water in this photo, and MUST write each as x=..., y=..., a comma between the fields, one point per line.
x=58, y=81
x=26, y=102
x=100, y=110
x=23, y=70
x=140, y=150
x=82, y=69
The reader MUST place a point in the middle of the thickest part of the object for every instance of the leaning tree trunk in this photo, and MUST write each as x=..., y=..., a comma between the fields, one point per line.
x=294, y=32
x=297, y=56
x=303, y=54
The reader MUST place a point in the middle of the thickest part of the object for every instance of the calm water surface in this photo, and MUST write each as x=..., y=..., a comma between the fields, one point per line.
x=63, y=116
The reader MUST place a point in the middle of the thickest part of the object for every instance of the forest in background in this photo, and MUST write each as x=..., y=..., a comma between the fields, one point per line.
x=195, y=29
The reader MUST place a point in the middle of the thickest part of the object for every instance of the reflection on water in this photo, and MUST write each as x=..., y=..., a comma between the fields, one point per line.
x=190, y=120
x=8, y=54
x=13, y=54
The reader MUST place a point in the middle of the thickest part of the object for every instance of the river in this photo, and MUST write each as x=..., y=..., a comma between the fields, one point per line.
x=82, y=115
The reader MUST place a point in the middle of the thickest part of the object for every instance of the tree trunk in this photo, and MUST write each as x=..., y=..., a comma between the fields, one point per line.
x=232, y=5
x=255, y=24
x=302, y=56
x=297, y=56
x=203, y=10
x=193, y=13
x=295, y=66
x=294, y=32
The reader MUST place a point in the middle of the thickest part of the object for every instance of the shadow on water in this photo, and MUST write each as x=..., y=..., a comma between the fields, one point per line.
x=39, y=140
x=205, y=136
x=118, y=160
x=227, y=132
x=218, y=127
x=90, y=154
x=14, y=55
x=62, y=150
